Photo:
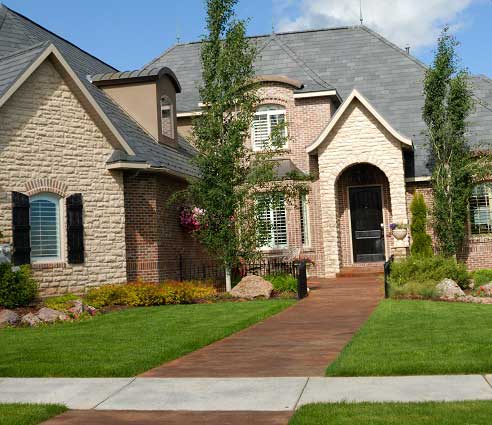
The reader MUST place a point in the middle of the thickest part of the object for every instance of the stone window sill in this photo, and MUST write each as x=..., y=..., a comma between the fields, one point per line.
x=49, y=265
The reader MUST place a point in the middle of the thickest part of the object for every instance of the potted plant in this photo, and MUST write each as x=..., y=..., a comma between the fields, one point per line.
x=399, y=230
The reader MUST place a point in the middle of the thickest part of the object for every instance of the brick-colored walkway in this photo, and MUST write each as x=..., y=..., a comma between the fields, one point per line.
x=301, y=341
x=98, y=417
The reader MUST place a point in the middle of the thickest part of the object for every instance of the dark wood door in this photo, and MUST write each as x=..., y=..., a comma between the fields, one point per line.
x=366, y=214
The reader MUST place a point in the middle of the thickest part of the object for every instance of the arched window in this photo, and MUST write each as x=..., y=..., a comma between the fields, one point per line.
x=167, y=119
x=266, y=118
x=45, y=227
x=481, y=209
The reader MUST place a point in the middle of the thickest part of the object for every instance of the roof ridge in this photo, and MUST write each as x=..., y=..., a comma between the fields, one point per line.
x=24, y=50
x=392, y=45
x=313, y=74
x=25, y=18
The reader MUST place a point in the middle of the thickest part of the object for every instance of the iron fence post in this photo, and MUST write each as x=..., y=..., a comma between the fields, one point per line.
x=387, y=271
x=302, y=281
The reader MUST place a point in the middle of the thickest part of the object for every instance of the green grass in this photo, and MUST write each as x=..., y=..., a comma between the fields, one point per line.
x=28, y=414
x=461, y=413
x=125, y=343
x=419, y=338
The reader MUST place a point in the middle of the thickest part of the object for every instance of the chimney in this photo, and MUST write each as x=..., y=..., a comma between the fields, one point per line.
x=148, y=96
x=407, y=49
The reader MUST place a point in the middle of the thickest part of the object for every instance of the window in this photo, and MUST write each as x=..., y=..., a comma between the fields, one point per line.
x=167, y=119
x=265, y=120
x=45, y=227
x=273, y=221
x=305, y=234
x=481, y=209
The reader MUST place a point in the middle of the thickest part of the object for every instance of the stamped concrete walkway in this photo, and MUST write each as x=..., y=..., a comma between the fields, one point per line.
x=300, y=341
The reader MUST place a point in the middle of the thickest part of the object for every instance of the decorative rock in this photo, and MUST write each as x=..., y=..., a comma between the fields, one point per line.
x=91, y=310
x=48, y=315
x=8, y=318
x=486, y=290
x=77, y=308
x=30, y=320
x=251, y=287
x=449, y=289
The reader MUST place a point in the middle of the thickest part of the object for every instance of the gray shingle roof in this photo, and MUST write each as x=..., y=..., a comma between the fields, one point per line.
x=344, y=58
x=18, y=32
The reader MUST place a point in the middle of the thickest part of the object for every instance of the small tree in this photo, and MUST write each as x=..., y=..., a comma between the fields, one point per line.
x=232, y=176
x=421, y=241
x=448, y=103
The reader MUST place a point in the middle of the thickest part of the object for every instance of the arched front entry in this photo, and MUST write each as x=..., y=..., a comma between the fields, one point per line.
x=363, y=215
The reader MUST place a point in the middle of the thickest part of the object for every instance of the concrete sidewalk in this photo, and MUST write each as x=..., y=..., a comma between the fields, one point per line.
x=238, y=394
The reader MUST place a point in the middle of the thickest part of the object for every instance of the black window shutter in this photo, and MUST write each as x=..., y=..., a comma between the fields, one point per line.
x=75, y=229
x=21, y=229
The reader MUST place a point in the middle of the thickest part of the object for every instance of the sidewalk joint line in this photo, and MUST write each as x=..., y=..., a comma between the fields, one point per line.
x=301, y=393
x=114, y=393
x=487, y=381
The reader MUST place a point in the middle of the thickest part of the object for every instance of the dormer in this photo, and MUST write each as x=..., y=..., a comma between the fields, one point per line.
x=148, y=96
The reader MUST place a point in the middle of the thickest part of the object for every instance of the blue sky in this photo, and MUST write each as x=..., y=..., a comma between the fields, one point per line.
x=127, y=36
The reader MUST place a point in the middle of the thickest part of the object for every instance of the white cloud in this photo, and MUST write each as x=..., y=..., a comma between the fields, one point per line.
x=404, y=22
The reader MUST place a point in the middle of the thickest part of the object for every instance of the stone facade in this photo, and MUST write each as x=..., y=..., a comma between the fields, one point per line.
x=49, y=143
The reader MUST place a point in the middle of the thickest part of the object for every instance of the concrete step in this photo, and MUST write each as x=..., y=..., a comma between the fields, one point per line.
x=373, y=269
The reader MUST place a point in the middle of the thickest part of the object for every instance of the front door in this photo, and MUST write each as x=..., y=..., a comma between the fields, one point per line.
x=366, y=214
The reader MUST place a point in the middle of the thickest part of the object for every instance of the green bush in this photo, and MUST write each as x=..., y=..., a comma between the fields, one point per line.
x=424, y=289
x=17, y=288
x=426, y=269
x=482, y=277
x=61, y=303
x=421, y=241
x=147, y=294
x=282, y=282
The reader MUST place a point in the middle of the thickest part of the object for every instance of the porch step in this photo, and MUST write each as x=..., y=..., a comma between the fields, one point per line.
x=372, y=269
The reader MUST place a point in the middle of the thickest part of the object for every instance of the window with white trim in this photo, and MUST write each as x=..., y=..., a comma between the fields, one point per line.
x=45, y=227
x=481, y=209
x=266, y=118
x=167, y=119
x=304, y=212
x=273, y=219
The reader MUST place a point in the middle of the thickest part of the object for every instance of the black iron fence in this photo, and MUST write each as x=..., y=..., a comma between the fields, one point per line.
x=387, y=271
x=214, y=272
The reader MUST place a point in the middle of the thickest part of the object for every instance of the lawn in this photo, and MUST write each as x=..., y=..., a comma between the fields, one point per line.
x=420, y=338
x=125, y=343
x=28, y=414
x=461, y=413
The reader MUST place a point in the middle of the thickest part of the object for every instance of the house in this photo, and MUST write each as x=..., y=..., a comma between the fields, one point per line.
x=353, y=102
x=89, y=156
x=87, y=164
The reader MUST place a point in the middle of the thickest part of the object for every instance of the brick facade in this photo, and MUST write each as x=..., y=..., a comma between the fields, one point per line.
x=49, y=143
x=154, y=237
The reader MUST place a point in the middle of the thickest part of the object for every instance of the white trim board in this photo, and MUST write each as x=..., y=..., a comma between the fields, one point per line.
x=341, y=110
x=315, y=94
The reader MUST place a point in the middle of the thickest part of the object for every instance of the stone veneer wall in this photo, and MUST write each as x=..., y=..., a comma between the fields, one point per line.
x=154, y=237
x=477, y=252
x=48, y=140
x=357, y=138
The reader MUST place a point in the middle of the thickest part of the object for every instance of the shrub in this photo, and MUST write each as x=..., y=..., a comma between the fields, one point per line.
x=425, y=269
x=282, y=282
x=421, y=241
x=424, y=289
x=482, y=277
x=17, y=288
x=61, y=303
x=148, y=294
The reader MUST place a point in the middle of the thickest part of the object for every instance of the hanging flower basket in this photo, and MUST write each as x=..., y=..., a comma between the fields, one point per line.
x=399, y=231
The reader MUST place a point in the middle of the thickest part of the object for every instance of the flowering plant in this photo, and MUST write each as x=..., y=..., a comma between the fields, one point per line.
x=394, y=226
x=190, y=218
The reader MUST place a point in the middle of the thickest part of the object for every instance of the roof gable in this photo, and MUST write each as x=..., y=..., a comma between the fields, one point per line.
x=355, y=95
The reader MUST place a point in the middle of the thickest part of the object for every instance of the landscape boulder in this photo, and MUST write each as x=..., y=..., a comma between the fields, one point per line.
x=30, y=319
x=8, y=318
x=486, y=290
x=252, y=287
x=48, y=315
x=449, y=289
x=77, y=308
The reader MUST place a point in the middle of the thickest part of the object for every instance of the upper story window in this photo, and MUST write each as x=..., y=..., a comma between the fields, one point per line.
x=167, y=117
x=266, y=118
x=45, y=227
x=273, y=217
x=481, y=209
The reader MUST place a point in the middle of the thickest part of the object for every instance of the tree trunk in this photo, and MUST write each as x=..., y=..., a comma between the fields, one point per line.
x=228, y=278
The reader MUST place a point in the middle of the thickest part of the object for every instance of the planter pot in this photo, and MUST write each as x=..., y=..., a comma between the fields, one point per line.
x=400, y=234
